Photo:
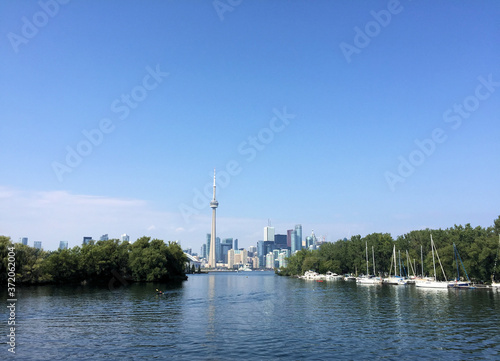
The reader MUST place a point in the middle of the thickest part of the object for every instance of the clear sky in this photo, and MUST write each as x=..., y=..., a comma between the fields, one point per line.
x=348, y=117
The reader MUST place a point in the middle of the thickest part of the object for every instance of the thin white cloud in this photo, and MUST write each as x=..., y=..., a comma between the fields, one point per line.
x=52, y=216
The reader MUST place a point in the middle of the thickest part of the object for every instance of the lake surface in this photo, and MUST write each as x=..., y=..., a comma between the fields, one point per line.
x=254, y=316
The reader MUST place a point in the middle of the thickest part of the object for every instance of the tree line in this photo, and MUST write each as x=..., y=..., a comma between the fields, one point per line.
x=477, y=247
x=145, y=260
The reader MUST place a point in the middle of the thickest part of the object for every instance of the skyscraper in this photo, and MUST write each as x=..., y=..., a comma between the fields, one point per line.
x=24, y=241
x=298, y=231
x=203, y=251
x=213, y=204
x=125, y=237
x=37, y=244
x=63, y=245
x=207, y=248
x=86, y=240
x=289, y=238
x=280, y=241
x=226, y=245
x=268, y=233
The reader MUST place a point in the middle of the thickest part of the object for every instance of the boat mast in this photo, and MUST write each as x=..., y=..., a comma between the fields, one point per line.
x=373, y=256
x=433, y=261
x=422, y=256
x=367, y=272
x=496, y=259
x=394, y=256
x=400, y=270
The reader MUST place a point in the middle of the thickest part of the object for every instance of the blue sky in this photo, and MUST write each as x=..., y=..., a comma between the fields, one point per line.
x=388, y=117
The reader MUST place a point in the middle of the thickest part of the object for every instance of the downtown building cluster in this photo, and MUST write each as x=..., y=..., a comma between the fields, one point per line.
x=269, y=253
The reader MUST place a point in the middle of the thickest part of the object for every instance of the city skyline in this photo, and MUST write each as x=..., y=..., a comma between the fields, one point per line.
x=346, y=117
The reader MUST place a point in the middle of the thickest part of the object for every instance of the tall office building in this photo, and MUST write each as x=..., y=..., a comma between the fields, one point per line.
x=235, y=244
x=296, y=241
x=289, y=238
x=37, y=244
x=213, y=204
x=208, y=245
x=280, y=241
x=268, y=234
x=104, y=237
x=203, y=251
x=225, y=246
x=23, y=241
x=218, y=250
x=63, y=245
x=298, y=230
x=125, y=238
x=86, y=240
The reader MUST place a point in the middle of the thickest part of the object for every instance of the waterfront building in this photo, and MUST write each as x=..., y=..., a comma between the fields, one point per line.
x=63, y=245
x=289, y=238
x=283, y=258
x=270, y=260
x=276, y=253
x=212, y=256
x=86, y=240
x=236, y=258
x=255, y=262
x=235, y=244
x=37, y=244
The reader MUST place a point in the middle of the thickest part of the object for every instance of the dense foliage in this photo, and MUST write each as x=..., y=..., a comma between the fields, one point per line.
x=97, y=262
x=478, y=249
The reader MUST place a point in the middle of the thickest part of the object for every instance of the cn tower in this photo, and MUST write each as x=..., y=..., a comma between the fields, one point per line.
x=211, y=258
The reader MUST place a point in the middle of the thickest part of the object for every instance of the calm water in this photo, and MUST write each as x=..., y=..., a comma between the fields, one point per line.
x=256, y=316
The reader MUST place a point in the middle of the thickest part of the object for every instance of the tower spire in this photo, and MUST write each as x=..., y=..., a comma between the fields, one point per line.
x=214, y=184
x=212, y=262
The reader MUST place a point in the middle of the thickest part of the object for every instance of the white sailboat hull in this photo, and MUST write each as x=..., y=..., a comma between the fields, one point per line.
x=431, y=284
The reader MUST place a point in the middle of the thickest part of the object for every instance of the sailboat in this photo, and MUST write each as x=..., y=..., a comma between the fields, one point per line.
x=433, y=282
x=395, y=279
x=457, y=283
x=369, y=279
